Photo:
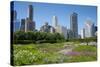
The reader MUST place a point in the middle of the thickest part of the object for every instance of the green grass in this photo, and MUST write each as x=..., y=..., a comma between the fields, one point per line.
x=86, y=48
x=87, y=53
x=47, y=53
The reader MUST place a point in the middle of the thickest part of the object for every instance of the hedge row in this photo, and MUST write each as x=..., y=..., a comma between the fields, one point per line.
x=36, y=37
x=32, y=41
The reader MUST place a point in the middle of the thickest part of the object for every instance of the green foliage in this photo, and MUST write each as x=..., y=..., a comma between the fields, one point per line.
x=90, y=39
x=23, y=41
x=37, y=54
x=47, y=53
x=87, y=53
x=36, y=37
x=86, y=48
x=82, y=58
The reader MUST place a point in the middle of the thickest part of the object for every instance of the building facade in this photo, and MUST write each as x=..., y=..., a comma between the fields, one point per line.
x=89, y=29
x=54, y=21
x=28, y=24
x=22, y=28
x=30, y=12
x=74, y=24
x=82, y=33
x=47, y=28
x=69, y=34
x=64, y=31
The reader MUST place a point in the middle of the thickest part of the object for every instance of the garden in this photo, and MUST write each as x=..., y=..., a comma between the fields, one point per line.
x=35, y=48
x=47, y=53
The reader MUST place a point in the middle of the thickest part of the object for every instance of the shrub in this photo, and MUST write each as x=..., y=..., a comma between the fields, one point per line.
x=23, y=41
x=36, y=37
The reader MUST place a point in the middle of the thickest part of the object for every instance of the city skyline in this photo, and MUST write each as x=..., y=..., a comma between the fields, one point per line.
x=43, y=12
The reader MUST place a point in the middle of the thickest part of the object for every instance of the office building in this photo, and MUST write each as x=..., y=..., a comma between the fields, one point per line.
x=82, y=33
x=30, y=12
x=47, y=28
x=29, y=25
x=69, y=34
x=22, y=28
x=74, y=24
x=64, y=31
x=54, y=22
x=89, y=29
x=29, y=22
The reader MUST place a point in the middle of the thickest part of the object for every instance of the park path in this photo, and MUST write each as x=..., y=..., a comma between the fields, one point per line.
x=67, y=49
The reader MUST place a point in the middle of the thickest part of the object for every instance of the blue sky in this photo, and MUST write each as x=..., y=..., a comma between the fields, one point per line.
x=43, y=12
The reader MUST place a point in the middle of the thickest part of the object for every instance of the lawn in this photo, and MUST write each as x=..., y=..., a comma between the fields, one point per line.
x=47, y=53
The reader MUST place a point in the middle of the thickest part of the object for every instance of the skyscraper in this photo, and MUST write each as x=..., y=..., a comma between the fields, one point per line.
x=64, y=31
x=47, y=28
x=30, y=25
x=22, y=28
x=29, y=22
x=89, y=29
x=69, y=34
x=30, y=12
x=26, y=24
x=59, y=29
x=54, y=22
x=83, y=33
x=74, y=24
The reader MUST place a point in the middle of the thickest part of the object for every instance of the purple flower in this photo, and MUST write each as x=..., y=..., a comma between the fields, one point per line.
x=73, y=53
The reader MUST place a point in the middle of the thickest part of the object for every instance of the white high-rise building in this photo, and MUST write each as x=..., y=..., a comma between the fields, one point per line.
x=82, y=33
x=54, y=22
x=58, y=28
x=89, y=29
x=26, y=23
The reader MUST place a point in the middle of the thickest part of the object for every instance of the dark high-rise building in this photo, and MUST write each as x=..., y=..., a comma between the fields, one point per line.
x=29, y=22
x=74, y=24
x=30, y=12
x=29, y=25
x=22, y=28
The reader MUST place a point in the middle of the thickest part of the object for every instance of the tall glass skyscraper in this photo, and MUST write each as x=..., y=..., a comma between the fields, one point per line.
x=74, y=24
x=30, y=12
x=30, y=22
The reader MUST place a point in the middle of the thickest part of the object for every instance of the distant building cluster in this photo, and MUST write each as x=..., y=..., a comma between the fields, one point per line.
x=90, y=30
x=28, y=24
x=47, y=28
